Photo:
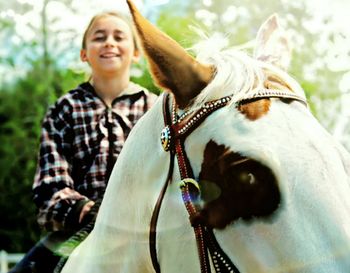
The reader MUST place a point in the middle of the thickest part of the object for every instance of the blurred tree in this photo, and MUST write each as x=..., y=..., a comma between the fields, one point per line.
x=21, y=112
x=24, y=101
x=239, y=20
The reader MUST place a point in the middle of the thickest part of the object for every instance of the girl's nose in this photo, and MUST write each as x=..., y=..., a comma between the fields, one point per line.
x=110, y=41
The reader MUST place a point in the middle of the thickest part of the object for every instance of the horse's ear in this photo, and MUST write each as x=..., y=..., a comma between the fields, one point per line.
x=272, y=44
x=171, y=66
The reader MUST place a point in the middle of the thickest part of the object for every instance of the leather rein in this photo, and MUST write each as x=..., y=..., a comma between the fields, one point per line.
x=173, y=137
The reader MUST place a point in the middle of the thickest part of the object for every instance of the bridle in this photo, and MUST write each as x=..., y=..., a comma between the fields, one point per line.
x=173, y=137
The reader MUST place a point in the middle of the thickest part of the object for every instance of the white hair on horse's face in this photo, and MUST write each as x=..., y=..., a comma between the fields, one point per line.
x=236, y=72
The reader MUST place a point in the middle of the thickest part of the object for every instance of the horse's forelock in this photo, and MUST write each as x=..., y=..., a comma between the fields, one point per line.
x=237, y=74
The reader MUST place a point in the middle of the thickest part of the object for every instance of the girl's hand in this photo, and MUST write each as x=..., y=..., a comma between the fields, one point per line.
x=85, y=210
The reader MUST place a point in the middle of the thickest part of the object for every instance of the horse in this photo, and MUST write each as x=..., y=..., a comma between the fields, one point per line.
x=228, y=172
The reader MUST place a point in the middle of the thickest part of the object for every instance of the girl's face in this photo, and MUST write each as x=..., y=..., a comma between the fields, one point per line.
x=110, y=46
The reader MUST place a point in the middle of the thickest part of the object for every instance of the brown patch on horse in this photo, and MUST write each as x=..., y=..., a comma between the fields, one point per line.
x=233, y=187
x=255, y=109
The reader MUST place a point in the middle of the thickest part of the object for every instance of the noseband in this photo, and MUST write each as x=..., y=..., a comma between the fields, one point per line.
x=173, y=137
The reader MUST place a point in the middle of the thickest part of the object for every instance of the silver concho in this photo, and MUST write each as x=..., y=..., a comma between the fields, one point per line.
x=165, y=138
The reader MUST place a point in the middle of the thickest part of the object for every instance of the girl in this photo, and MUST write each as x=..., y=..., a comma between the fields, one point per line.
x=82, y=136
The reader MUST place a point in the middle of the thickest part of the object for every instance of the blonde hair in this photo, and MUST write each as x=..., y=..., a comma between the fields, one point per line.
x=121, y=16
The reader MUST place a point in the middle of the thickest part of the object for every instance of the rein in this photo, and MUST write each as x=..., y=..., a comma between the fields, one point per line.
x=173, y=137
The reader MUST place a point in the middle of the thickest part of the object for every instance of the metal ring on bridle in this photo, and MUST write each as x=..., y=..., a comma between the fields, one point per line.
x=185, y=181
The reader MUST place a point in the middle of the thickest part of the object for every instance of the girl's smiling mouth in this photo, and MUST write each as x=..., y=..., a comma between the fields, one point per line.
x=109, y=55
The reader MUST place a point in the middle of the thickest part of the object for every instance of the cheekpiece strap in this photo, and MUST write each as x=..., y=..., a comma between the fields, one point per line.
x=173, y=137
x=186, y=126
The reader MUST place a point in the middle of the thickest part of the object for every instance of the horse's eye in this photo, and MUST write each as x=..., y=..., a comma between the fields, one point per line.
x=252, y=179
x=247, y=178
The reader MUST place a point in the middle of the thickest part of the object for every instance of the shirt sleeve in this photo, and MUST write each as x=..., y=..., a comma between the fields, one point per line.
x=53, y=186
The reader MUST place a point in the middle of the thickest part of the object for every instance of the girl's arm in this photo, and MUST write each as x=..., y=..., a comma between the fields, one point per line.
x=59, y=204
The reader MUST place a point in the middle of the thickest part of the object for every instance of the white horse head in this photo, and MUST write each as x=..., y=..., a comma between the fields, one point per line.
x=274, y=184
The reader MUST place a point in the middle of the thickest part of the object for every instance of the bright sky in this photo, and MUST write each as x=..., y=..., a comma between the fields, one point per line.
x=338, y=9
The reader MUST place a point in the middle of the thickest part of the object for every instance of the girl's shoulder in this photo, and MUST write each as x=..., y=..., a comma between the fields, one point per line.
x=77, y=97
x=83, y=92
x=135, y=88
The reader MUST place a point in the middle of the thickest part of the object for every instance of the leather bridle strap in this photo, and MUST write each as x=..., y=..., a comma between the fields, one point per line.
x=173, y=137
x=222, y=263
x=154, y=219
x=205, y=237
x=155, y=214
x=199, y=231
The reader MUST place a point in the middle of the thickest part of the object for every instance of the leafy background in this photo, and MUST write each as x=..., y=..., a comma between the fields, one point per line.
x=39, y=62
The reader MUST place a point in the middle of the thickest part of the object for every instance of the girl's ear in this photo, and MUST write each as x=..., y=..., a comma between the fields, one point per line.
x=137, y=56
x=272, y=44
x=83, y=56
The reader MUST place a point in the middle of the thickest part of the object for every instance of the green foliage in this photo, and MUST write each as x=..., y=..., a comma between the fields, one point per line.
x=23, y=106
x=177, y=28
x=145, y=79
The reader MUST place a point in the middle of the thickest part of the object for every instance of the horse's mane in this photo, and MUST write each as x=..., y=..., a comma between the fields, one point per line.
x=236, y=72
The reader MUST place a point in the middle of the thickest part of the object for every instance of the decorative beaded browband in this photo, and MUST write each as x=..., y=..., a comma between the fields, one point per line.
x=186, y=123
x=273, y=93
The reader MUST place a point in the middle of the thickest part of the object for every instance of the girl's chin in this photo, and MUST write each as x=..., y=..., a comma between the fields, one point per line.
x=108, y=71
x=111, y=67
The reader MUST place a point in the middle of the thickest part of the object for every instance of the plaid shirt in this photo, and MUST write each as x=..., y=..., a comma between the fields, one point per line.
x=80, y=142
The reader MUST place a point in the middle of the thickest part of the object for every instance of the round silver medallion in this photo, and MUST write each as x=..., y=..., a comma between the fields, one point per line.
x=165, y=138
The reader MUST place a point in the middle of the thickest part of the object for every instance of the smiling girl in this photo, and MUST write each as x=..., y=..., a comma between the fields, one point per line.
x=82, y=136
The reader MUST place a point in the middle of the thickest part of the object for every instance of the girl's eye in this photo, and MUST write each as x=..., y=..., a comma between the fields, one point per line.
x=119, y=38
x=98, y=38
